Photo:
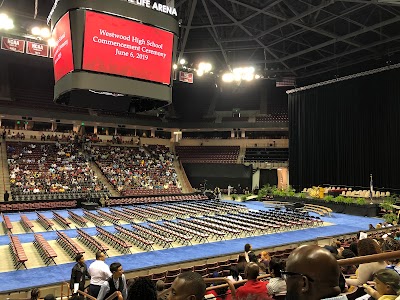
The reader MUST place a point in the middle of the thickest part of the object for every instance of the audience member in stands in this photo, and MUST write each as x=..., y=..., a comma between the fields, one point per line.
x=387, y=285
x=160, y=288
x=79, y=273
x=347, y=270
x=35, y=294
x=142, y=289
x=49, y=297
x=242, y=263
x=6, y=196
x=249, y=254
x=354, y=247
x=99, y=273
x=188, y=286
x=334, y=251
x=312, y=273
x=234, y=274
x=366, y=271
x=115, y=284
x=264, y=260
x=276, y=284
x=253, y=288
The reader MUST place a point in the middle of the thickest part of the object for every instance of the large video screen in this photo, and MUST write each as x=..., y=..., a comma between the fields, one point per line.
x=118, y=46
x=62, y=60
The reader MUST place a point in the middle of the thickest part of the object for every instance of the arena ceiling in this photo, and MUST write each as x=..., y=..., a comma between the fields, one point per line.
x=306, y=39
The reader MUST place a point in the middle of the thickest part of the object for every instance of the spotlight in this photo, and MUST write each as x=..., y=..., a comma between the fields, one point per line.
x=5, y=22
x=200, y=72
x=45, y=32
x=228, y=77
x=174, y=66
x=182, y=61
x=51, y=42
x=35, y=30
x=257, y=76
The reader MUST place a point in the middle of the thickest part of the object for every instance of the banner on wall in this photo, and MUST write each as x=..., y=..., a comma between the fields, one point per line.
x=12, y=44
x=37, y=49
x=185, y=77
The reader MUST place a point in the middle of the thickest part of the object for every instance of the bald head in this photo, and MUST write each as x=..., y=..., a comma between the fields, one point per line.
x=313, y=274
x=252, y=271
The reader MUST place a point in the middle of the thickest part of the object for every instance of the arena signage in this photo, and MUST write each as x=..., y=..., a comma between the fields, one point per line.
x=156, y=6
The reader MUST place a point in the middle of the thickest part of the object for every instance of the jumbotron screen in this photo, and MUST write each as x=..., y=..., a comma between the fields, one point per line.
x=62, y=57
x=113, y=45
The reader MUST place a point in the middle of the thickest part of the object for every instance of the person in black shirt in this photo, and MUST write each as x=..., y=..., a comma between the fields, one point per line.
x=79, y=273
x=6, y=196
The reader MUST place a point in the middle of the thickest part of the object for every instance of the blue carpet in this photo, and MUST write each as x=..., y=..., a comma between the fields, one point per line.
x=24, y=279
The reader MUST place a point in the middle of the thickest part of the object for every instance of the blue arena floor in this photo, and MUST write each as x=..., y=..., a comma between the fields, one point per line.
x=23, y=279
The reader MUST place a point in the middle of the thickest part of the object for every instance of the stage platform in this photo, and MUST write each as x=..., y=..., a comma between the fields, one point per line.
x=23, y=279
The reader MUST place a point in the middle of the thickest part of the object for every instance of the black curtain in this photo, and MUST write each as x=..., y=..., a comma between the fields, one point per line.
x=220, y=175
x=342, y=132
x=268, y=177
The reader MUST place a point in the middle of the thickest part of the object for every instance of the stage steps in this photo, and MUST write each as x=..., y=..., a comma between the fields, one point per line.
x=4, y=175
x=103, y=179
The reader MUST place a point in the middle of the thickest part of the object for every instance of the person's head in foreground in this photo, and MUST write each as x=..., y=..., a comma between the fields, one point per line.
x=312, y=273
x=116, y=270
x=142, y=289
x=387, y=282
x=188, y=286
x=252, y=271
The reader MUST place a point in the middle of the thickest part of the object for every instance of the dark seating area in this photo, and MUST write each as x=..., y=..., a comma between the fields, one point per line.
x=208, y=154
x=235, y=119
x=278, y=117
x=267, y=154
x=46, y=252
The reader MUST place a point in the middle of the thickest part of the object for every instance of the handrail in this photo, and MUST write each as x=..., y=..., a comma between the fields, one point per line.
x=80, y=292
x=229, y=283
x=369, y=258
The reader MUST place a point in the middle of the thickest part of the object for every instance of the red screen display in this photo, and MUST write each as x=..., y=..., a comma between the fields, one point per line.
x=62, y=58
x=123, y=47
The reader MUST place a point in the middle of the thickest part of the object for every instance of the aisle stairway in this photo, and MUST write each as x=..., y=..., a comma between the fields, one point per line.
x=4, y=175
x=186, y=187
x=242, y=154
x=103, y=179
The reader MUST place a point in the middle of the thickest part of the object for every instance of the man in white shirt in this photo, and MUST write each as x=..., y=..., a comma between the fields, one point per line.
x=99, y=273
x=115, y=285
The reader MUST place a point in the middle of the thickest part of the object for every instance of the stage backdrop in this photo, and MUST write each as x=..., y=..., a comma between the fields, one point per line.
x=340, y=133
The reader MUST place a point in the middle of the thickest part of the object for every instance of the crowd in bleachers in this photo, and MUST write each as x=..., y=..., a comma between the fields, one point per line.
x=133, y=170
x=50, y=169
